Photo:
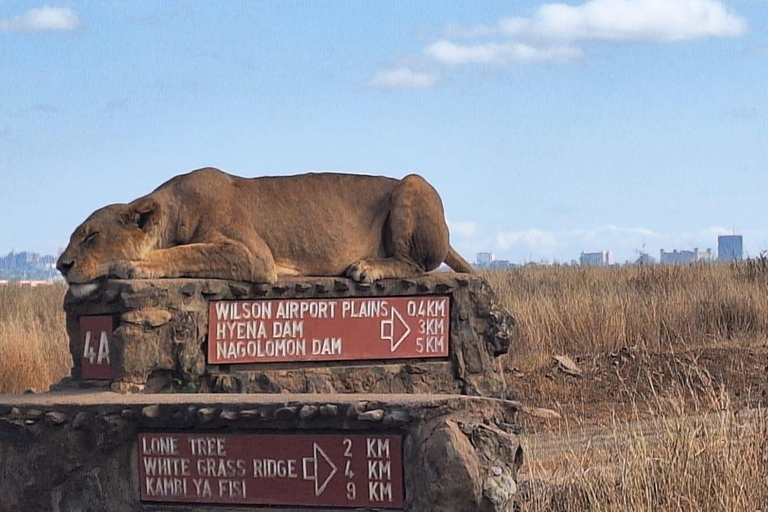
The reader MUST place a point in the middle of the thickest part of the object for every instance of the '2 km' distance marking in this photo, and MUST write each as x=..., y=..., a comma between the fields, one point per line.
x=316, y=470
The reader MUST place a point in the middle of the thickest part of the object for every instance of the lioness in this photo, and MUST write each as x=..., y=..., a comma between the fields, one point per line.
x=210, y=224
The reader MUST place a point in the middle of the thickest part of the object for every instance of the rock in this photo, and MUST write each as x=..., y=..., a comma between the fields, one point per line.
x=286, y=413
x=80, y=421
x=238, y=290
x=56, y=417
x=542, y=413
x=206, y=414
x=250, y=414
x=374, y=415
x=150, y=317
x=565, y=365
x=228, y=415
x=500, y=488
x=34, y=414
x=308, y=412
x=396, y=418
x=329, y=410
x=151, y=411
x=188, y=289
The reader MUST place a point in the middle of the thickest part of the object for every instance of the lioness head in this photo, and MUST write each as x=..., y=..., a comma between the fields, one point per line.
x=119, y=232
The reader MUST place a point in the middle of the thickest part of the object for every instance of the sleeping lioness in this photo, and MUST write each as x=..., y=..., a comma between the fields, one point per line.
x=210, y=224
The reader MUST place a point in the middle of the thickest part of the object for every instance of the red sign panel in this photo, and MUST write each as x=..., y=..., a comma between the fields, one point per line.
x=288, y=330
x=96, y=338
x=312, y=470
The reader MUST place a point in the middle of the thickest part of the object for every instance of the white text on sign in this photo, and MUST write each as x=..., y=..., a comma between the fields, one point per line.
x=328, y=329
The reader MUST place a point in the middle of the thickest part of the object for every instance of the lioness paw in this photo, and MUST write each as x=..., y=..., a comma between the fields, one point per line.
x=129, y=270
x=363, y=272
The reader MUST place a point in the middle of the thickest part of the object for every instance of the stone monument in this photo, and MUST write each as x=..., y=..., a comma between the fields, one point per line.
x=324, y=394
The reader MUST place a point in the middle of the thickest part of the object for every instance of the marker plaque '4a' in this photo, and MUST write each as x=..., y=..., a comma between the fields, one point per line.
x=356, y=470
x=96, y=337
x=287, y=330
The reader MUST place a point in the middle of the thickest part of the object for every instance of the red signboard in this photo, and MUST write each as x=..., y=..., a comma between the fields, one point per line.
x=336, y=470
x=288, y=330
x=96, y=338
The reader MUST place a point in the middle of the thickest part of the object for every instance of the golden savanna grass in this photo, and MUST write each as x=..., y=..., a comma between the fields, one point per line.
x=685, y=443
x=582, y=310
x=34, y=350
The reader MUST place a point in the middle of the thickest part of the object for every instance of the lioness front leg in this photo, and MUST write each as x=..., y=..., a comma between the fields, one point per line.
x=370, y=270
x=214, y=260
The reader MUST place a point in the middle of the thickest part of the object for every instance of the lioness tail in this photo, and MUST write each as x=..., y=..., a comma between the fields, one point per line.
x=457, y=263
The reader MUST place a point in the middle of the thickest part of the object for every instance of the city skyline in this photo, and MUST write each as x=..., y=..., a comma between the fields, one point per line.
x=632, y=124
x=29, y=265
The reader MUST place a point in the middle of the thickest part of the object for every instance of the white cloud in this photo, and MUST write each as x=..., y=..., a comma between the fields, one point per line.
x=658, y=21
x=44, y=19
x=554, y=32
x=497, y=53
x=531, y=239
x=402, y=78
x=464, y=229
x=568, y=244
x=715, y=231
x=476, y=31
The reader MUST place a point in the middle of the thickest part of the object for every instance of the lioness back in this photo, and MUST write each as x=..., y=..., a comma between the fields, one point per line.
x=313, y=221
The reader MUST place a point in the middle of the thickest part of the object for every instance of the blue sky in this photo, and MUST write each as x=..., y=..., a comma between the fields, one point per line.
x=547, y=128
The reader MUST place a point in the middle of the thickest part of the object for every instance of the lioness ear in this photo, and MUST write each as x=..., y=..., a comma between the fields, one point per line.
x=143, y=213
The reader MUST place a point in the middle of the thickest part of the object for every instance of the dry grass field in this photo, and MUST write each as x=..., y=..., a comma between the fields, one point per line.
x=666, y=413
x=34, y=350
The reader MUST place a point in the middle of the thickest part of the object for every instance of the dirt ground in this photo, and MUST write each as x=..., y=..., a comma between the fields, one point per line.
x=626, y=384
x=608, y=403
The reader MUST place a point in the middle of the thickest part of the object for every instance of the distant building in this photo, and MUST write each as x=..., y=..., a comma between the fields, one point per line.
x=28, y=265
x=596, y=259
x=730, y=248
x=484, y=259
x=500, y=264
x=645, y=259
x=685, y=257
x=34, y=283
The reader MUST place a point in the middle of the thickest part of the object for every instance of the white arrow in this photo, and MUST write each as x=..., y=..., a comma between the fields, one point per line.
x=319, y=488
x=389, y=325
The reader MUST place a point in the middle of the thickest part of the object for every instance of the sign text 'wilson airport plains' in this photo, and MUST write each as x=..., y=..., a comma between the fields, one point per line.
x=286, y=330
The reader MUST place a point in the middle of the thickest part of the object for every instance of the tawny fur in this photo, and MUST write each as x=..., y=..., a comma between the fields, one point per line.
x=210, y=224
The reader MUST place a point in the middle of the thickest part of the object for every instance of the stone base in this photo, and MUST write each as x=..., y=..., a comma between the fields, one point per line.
x=161, y=336
x=78, y=451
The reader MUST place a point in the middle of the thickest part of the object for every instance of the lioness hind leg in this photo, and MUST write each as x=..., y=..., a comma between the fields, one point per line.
x=368, y=271
x=416, y=235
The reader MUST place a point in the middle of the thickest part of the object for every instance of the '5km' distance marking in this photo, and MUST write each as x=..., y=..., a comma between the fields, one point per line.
x=286, y=330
